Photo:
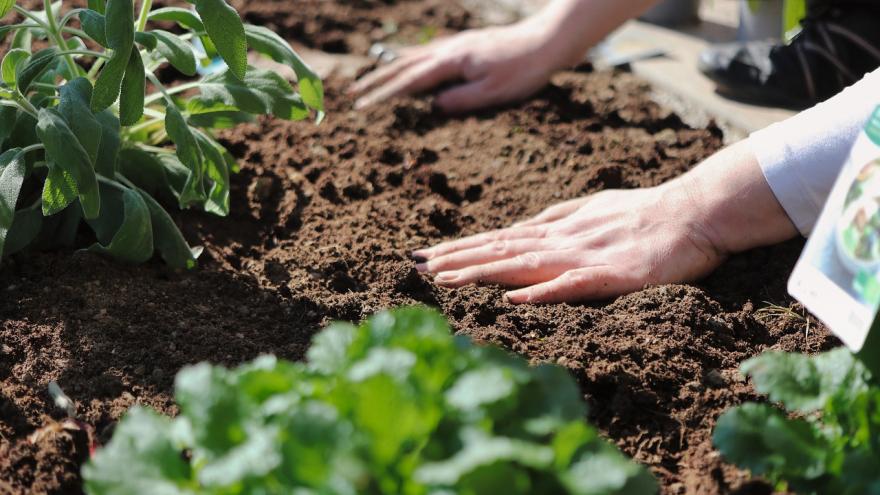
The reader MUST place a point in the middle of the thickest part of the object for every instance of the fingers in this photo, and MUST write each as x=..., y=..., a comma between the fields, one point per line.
x=524, y=269
x=581, y=284
x=555, y=212
x=418, y=77
x=466, y=97
x=384, y=73
x=485, y=253
x=536, y=232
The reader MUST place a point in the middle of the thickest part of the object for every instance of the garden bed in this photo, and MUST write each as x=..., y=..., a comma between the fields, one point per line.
x=322, y=221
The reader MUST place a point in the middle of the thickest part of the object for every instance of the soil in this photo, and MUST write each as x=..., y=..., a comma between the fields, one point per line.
x=323, y=218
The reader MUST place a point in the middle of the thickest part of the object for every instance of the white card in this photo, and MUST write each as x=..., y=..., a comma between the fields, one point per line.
x=837, y=277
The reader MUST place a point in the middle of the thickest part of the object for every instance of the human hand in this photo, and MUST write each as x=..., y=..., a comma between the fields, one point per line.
x=498, y=65
x=600, y=246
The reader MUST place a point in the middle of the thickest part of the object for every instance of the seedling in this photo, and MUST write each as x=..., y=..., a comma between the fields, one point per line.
x=772, y=312
x=89, y=133
x=831, y=445
x=397, y=405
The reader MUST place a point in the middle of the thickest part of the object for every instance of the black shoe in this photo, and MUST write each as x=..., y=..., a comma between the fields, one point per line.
x=834, y=49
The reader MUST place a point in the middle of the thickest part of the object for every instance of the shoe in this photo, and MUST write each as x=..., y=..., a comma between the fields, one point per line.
x=834, y=49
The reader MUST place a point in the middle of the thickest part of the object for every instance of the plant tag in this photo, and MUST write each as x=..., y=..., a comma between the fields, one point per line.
x=837, y=276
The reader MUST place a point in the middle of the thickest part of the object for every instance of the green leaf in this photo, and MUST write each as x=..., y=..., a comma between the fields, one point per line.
x=261, y=92
x=805, y=383
x=95, y=25
x=6, y=6
x=329, y=350
x=108, y=153
x=12, y=172
x=23, y=39
x=184, y=17
x=119, y=30
x=189, y=153
x=7, y=123
x=98, y=6
x=607, y=472
x=270, y=44
x=167, y=238
x=35, y=66
x=120, y=25
x=10, y=62
x=160, y=175
x=132, y=241
x=761, y=439
x=142, y=458
x=220, y=119
x=226, y=30
x=147, y=40
x=64, y=149
x=59, y=190
x=218, y=172
x=74, y=107
x=176, y=51
x=131, y=98
x=109, y=82
x=25, y=228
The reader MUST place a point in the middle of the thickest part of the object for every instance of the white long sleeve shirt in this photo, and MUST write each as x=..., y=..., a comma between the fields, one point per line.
x=802, y=156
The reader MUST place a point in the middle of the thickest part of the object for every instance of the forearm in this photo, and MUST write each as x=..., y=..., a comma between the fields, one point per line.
x=735, y=206
x=572, y=27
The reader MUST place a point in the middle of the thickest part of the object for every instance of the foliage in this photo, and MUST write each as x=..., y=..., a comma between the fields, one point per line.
x=831, y=445
x=89, y=133
x=395, y=406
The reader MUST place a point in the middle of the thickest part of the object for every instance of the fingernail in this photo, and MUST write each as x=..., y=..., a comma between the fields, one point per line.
x=446, y=277
x=418, y=258
x=515, y=297
x=361, y=103
x=422, y=267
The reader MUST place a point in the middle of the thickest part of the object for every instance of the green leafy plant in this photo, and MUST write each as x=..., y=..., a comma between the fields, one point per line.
x=831, y=441
x=395, y=406
x=88, y=132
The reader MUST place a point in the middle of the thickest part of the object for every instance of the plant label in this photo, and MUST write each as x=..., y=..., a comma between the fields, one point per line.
x=837, y=276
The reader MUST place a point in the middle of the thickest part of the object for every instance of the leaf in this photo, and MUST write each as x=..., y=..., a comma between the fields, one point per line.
x=7, y=123
x=167, y=238
x=184, y=17
x=64, y=149
x=328, y=351
x=607, y=472
x=74, y=107
x=23, y=39
x=98, y=6
x=108, y=153
x=109, y=82
x=120, y=25
x=5, y=7
x=94, y=25
x=261, y=92
x=142, y=458
x=119, y=29
x=189, y=153
x=12, y=172
x=226, y=30
x=131, y=98
x=25, y=228
x=804, y=383
x=133, y=240
x=269, y=43
x=10, y=62
x=36, y=65
x=217, y=171
x=160, y=175
x=176, y=51
x=59, y=190
x=146, y=40
x=761, y=439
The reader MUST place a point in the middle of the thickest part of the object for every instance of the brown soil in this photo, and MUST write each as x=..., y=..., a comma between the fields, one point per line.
x=323, y=218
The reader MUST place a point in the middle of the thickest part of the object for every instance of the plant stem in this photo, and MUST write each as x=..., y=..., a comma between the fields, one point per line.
x=55, y=33
x=25, y=105
x=172, y=91
x=89, y=53
x=153, y=79
x=31, y=16
x=146, y=5
x=33, y=147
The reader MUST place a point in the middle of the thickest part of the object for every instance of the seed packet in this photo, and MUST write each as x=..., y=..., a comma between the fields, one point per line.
x=837, y=277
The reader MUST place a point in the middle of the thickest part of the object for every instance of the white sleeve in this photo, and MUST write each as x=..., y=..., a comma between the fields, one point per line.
x=801, y=156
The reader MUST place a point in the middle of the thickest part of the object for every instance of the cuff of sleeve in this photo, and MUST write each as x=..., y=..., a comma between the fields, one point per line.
x=786, y=184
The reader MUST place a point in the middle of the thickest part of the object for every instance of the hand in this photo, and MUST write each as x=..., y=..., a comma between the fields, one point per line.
x=607, y=244
x=498, y=65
